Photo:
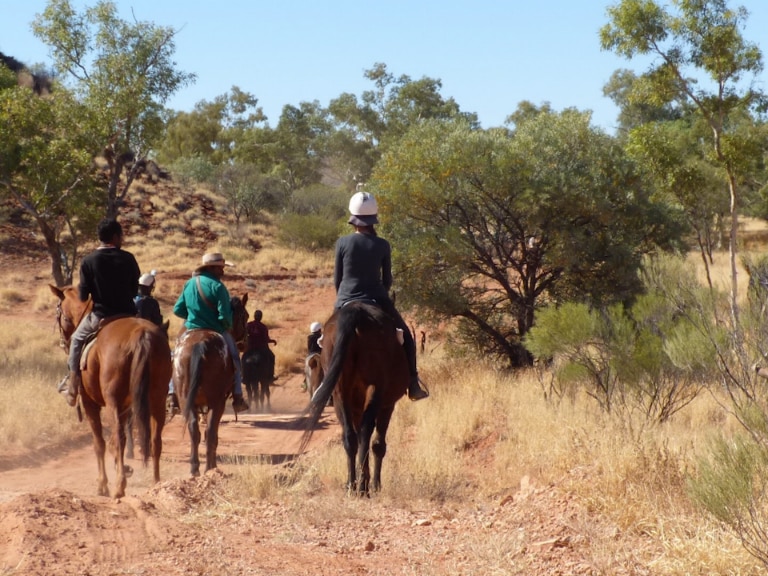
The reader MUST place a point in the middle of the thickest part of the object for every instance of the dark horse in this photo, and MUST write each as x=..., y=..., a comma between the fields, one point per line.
x=203, y=377
x=127, y=372
x=364, y=359
x=257, y=378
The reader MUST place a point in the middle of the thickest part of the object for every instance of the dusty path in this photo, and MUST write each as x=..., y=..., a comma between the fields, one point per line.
x=272, y=437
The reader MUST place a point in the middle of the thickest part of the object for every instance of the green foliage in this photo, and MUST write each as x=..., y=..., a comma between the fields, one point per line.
x=489, y=225
x=190, y=170
x=648, y=357
x=247, y=190
x=311, y=232
x=702, y=62
x=365, y=126
x=46, y=168
x=7, y=78
x=731, y=485
x=213, y=130
x=123, y=72
x=328, y=202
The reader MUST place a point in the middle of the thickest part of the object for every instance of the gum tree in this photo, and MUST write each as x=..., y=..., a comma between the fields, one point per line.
x=487, y=227
x=701, y=60
x=123, y=72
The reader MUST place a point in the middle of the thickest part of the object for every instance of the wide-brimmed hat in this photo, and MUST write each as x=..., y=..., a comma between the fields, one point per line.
x=214, y=259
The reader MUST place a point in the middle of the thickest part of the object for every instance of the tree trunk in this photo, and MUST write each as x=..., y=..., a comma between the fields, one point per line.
x=54, y=251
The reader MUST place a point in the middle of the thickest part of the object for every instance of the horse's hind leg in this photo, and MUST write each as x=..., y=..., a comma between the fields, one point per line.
x=194, y=439
x=92, y=413
x=379, y=448
x=363, y=450
x=118, y=443
x=212, y=437
x=349, y=439
x=157, y=423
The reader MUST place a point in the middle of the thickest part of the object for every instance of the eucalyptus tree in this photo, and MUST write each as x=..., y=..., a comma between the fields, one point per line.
x=700, y=59
x=366, y=125
x=46, y=169
x=123, y=72
x=488, y=226
x=212, y=130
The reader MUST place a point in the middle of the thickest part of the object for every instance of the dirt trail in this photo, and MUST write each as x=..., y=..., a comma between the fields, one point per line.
x=272, y=437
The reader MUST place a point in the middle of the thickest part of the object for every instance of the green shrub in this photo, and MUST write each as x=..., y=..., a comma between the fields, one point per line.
x=309, y=232
x=190, y=170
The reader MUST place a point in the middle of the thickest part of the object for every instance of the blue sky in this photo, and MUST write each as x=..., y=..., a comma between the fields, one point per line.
x=489, y=54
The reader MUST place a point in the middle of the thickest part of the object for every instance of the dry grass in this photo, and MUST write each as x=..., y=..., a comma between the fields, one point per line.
x=30, y=367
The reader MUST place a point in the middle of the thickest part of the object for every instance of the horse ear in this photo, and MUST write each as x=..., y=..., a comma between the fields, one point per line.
x=58, y=292
x=245, y=299
x=166, y=325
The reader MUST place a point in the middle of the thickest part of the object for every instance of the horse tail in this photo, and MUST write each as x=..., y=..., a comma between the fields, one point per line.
x=195, y=364
x=140, y=379
x=348, y=319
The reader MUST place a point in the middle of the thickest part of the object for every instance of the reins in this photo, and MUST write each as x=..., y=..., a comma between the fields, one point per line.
x=64, y=341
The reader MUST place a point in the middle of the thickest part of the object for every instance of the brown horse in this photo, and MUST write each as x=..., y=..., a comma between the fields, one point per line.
x=127, y=372
x=203, y=377
x=364, y=359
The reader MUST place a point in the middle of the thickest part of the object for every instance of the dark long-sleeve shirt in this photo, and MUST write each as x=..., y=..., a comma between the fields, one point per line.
x=363, y=268
x=110, y=276
x=149, y=308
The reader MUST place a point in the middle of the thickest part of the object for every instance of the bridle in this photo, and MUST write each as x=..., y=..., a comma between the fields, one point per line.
x=64, y=340
x=241, y=341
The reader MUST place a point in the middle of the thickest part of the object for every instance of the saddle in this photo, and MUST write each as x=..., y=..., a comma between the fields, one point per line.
x=91, y=340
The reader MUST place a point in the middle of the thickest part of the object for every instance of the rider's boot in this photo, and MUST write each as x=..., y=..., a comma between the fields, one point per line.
x=73, y=387
x=415, y=391
x=239, y=404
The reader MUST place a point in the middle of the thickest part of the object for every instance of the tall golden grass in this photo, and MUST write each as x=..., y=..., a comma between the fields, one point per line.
x=482, y=434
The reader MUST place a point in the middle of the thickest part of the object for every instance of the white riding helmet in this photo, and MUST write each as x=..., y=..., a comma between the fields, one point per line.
x=363, y=209
x=315, y=327
x=147, y=279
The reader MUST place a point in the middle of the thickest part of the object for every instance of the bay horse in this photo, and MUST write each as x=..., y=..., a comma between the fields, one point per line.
x=203, y=378
x=364, y=359
x=127, y=371
x=257, y=378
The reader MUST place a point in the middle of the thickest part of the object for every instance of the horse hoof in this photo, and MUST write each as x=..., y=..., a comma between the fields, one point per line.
x=128, y=471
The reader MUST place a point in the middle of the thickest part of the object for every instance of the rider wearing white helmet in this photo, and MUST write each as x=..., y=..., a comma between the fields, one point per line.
x=146, y=305
x=315, y=333
x=363, y=271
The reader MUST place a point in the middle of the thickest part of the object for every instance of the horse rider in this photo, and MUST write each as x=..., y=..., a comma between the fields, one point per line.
x=313, y=340
x=147, y=306
x=204, y=302
x=363, y=271
x=109, y=276
x=259, y=340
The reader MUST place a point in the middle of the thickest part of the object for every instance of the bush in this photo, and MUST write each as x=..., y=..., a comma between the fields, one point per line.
x=192, y=170
x=309, y=232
